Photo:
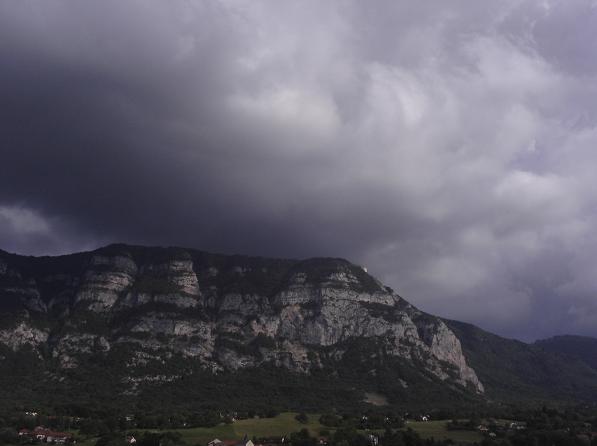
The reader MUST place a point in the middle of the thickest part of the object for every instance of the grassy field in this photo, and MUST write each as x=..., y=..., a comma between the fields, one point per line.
x=86, y=441
x=437, y=429
x=283, y=424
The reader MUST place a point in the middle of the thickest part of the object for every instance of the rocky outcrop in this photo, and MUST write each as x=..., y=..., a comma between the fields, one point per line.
x=225, y=313
x=23, y=334
x=105, y=280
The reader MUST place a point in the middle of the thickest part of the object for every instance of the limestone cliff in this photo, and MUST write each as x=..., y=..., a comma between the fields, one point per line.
x=219, y=312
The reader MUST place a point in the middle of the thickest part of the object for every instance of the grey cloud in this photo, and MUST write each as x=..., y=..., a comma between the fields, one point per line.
x=447, y=146
x=28, y=232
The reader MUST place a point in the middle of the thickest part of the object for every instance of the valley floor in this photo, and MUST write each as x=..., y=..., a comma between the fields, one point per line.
x=437, y=429
x=285, y=423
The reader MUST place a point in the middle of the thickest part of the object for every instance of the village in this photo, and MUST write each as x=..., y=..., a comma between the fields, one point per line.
x=44, y=435
x=297, y=430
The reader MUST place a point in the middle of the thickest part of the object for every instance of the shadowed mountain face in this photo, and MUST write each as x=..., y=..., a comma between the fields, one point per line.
x=514, y=370
x=187, y=327
x=580, y=348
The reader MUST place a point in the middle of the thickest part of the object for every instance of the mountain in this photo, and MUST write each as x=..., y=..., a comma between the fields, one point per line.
x=516, y=371
x=581, y=348
x=139, y=327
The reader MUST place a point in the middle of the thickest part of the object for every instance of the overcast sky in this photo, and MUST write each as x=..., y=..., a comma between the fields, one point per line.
x=449, y=146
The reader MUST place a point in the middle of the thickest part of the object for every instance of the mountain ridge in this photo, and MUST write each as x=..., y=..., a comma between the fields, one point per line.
x=583, y=348
x=173, y=314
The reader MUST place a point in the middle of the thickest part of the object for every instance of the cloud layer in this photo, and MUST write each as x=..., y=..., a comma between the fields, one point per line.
x=448, y=146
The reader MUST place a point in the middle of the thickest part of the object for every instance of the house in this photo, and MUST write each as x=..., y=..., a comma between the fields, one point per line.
x=520, y=425
x=218, y=442
x=58, y=437
x=46, y=435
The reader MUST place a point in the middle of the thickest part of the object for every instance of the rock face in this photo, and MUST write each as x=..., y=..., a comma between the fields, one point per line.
x=220, y=312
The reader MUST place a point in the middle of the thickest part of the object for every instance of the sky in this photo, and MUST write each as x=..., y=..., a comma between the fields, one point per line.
x=448, y=146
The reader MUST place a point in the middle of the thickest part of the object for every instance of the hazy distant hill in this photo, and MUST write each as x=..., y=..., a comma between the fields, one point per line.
x=137, y=326
x=514, y=370
x=579, y=347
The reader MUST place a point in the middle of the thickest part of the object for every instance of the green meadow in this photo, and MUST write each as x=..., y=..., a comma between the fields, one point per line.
x=285, y=423
x=437, y=429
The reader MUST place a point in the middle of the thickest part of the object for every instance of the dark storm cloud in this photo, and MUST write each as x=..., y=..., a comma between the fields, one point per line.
x=449, y=147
